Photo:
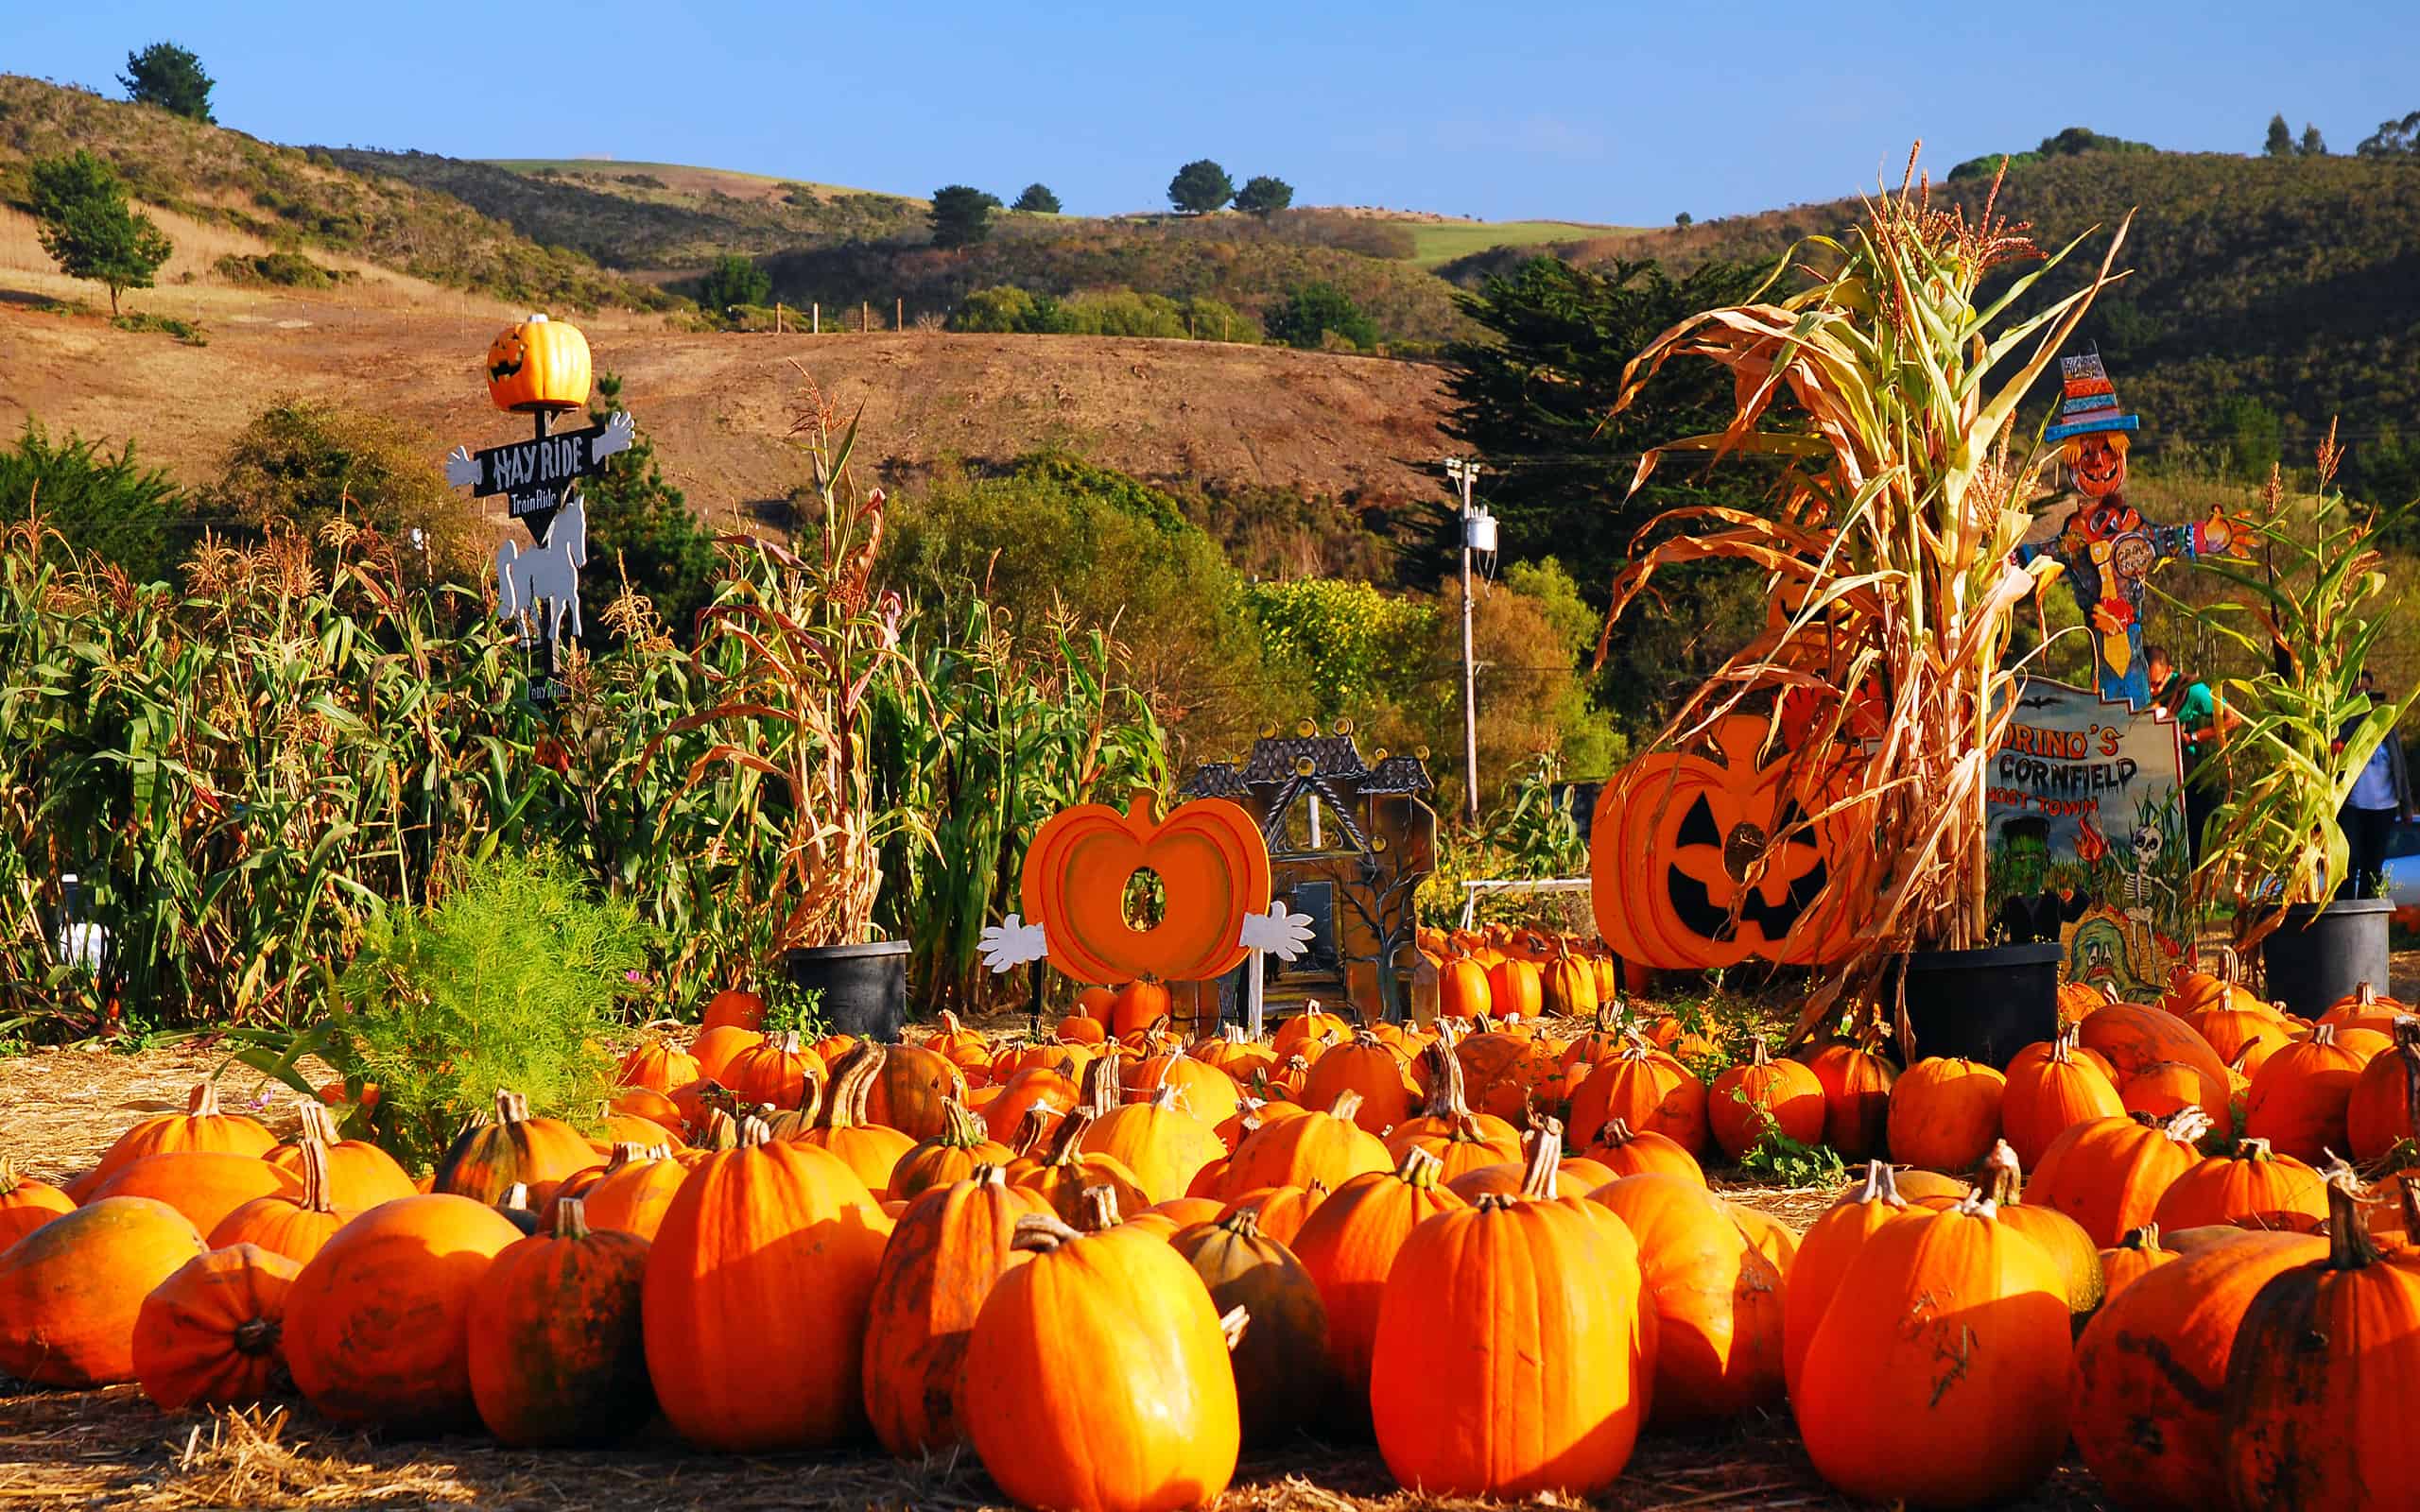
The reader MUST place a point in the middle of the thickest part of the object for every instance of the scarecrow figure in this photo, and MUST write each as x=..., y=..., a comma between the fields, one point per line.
x=2105, y=550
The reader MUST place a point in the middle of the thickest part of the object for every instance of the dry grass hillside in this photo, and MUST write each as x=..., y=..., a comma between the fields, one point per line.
x=715, y=403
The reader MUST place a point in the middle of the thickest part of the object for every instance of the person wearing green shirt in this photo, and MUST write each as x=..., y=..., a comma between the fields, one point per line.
x=2195, y=709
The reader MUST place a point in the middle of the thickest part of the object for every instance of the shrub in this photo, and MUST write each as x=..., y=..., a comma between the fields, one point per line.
x=511, y=980
x=1037, y=200
x=188, y=332
x=284, y=268
x=733, y=281
x=1315, y=311
x=109, y=507
x=1001, y=309
x=1124, y=313
x=301, y=463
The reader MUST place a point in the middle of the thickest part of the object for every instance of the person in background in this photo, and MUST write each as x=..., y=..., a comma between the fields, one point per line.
x=2190, y=702
x=2381, y=796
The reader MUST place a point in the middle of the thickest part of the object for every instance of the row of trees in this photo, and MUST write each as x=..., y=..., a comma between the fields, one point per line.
x=2282, y=142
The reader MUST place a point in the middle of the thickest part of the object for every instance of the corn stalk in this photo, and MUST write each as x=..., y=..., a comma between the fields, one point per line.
x=1888, y=553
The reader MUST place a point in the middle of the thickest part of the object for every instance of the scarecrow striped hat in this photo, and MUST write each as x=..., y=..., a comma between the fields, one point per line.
x=2089, y=403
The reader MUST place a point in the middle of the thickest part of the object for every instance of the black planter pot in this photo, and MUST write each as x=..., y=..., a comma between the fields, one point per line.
x=864, y=987
x=1982, y=1005
x=2323, y=951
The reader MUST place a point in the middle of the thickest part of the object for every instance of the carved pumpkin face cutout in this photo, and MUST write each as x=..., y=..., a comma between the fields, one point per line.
x=538, y=365
x=1212, y=866
x=1703, y=861
x=2098, y=464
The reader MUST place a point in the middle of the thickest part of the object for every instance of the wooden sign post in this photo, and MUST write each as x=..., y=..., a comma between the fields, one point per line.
x=541, y=368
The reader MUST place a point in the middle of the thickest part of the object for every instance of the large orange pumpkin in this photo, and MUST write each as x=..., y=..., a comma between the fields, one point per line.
x=947, y=1251
x=1165, y=1146
x=1349, y=1244
x=1703, y=861
x=2317, y=1411
x=1938, y=1374
x=2251, y=1187
x=1212, y=866
x=952, y=1155
x=204, y=1185
x=1626, y=1152
x=212, y=1333
x=1825, y=1258
x=756, y=1295
x=71, y=1290
x=1716, y=1298
x=2045, y=1097
x=1513, y=1350
x=1097, y=1376
x=2300, y=1100
x=1294, y=1152
x=633, y=1193
x=909, y=1085
x=1646, y=1089
x=1763, y=1096
x=558, y=1356
x=659, y=1065
x=715, y=1047
x=2383, y=1108
x=402, y=1365
x=1856, y=1085
x=1367, y=1066
x=1945, y=1113
x=2131, y=1037
x=2108, y=1174
x=2155, y=1355
x=360, y=1175
x=298, y=1225
x=538, y=365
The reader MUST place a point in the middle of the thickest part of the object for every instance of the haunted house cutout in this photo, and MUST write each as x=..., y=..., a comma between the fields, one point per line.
x=1349, y=843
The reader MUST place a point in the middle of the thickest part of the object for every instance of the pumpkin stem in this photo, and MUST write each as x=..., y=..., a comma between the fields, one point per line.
x=257, y=1336
x=2324, y=1034
x=515, y=1198
x=1448, y=1098
x=9, y=1178
x=1244, y=1223
x=2250, y=1148
x=2145, y=1238
x=961, y=1129
x=1030, y=1127
x=1756, y=1052
x=317, y=1123
x=1881, y=1185
x=2349, y=1246
x=719, y=1130
x=2230, y=965
x=1101, y=1087
x=752, y=1132
x=1546, y=1158
x=511, y=1107
x=313, y=1157
x=571, y=1218
x=949, y=1024
x=1419, y=1167
x=2003, y=1179
x=2187, y=1125
x=2063, y=1045
x=1065, y=1145
x=1976, y=1204
x=846, y=1105
x=2407, y=1045
x=1099, y=1208
x=1231, y=1323
x=1039, y=1233
x=1347, y=1103
x=1615, y=1133
x=2365, y=995
x=202, y=1102
x=989, y=1175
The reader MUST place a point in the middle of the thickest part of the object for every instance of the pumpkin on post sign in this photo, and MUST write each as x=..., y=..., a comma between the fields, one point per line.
x=538, y=365
x=1703, y=861
x=1212, y=866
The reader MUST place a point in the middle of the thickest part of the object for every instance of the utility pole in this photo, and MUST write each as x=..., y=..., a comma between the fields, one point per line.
x=1478, y=533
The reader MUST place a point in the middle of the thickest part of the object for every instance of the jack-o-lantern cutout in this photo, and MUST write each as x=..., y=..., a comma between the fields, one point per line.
x=1213, y=867
x=539, y=365
x=1703, y=861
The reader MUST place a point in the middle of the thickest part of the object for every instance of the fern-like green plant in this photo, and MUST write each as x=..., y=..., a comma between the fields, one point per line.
x=511, y=980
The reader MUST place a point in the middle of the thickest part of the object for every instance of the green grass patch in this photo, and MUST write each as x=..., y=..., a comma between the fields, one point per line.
x=188, y=332
x=1435, y=243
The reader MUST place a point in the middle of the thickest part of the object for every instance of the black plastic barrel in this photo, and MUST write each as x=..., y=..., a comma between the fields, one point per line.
x=1982, y=1005
x=2323, y=953
x=864, y=987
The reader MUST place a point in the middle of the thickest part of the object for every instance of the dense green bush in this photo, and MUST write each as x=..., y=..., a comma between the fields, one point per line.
x=1312, y=313
x=303, y=463
x=107, y=505
x=285, y=270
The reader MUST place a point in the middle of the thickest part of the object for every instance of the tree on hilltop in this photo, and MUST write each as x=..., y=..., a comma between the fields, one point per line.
x=2281, y=139
x=960, y=215
x=169, y=77
x=1038, y=200
x=2312, y=145
x=86, y=225
x=1200, y=187
x=1264, y=195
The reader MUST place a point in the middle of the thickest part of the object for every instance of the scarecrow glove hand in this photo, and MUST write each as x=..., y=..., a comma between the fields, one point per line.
x=618, y=433
x=1281, y=933
x=1010, y=943
x=462, y=467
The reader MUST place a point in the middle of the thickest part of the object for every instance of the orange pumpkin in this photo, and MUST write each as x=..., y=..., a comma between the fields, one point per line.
x=713, y=1049
x=2382, y=1109
x=404, y=1364
x=946, y=1253
x=633, y=1193
x=732, y=1008
x=1165, y=1146
x=360, y=1174
x=1349, y=1243
x=1945, y=1113
x=202, y=1127
x=557, y=1353
x=70, y=1291
x=1327, y=1147
x=2162, y=1088
x=2299, y=1101
x=2131, y=1037
x=1212, y=866
x=2250, y=1188
x=659, y=1065
x=1064, y=1171
x=2126, y=1261
x=1701, y=861
x=1825, y=1258
x=204, y=1185
x=2108, y=1174
x=2045, y=1096
x=539, y=365
x=1096, y=1378
x=212, y=1334
x=1368, y=1067
x=775, y=1072
x=1716, y=1298
x=1626, y=1153
x=296, y=1227
x=952, y=1155
x=1138, y=1005
x=1856, y=1085
x=511, y=1148
x=757, y=1295
x=1765, y=1096
x=909, y=1085
x=1646, y=1089
x=871, y=1151
x=26, y=1204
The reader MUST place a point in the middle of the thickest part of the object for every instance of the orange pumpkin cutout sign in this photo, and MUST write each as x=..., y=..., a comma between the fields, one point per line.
x=1212, y=866
x=1698, y=861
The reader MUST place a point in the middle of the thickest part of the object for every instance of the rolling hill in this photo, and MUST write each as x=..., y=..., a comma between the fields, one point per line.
x=292, y=197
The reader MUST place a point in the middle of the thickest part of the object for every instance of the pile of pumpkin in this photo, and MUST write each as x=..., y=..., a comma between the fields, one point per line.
x=1108, y=1260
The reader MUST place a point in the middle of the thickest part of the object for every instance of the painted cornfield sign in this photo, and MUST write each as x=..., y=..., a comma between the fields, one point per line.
x=2087, y=837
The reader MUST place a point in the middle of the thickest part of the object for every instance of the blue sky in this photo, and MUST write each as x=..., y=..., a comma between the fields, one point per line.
x=1610, y=111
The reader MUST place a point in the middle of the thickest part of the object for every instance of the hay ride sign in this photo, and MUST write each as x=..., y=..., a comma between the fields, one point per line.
x=2087, y=837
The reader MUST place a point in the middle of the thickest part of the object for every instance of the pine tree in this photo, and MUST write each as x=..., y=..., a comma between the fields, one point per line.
x=2281, y=139
x=2313, y=145
x=641, y=526
x=86, y=225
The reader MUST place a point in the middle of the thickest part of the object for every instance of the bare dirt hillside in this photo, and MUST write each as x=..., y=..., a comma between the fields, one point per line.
x=716, y=405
